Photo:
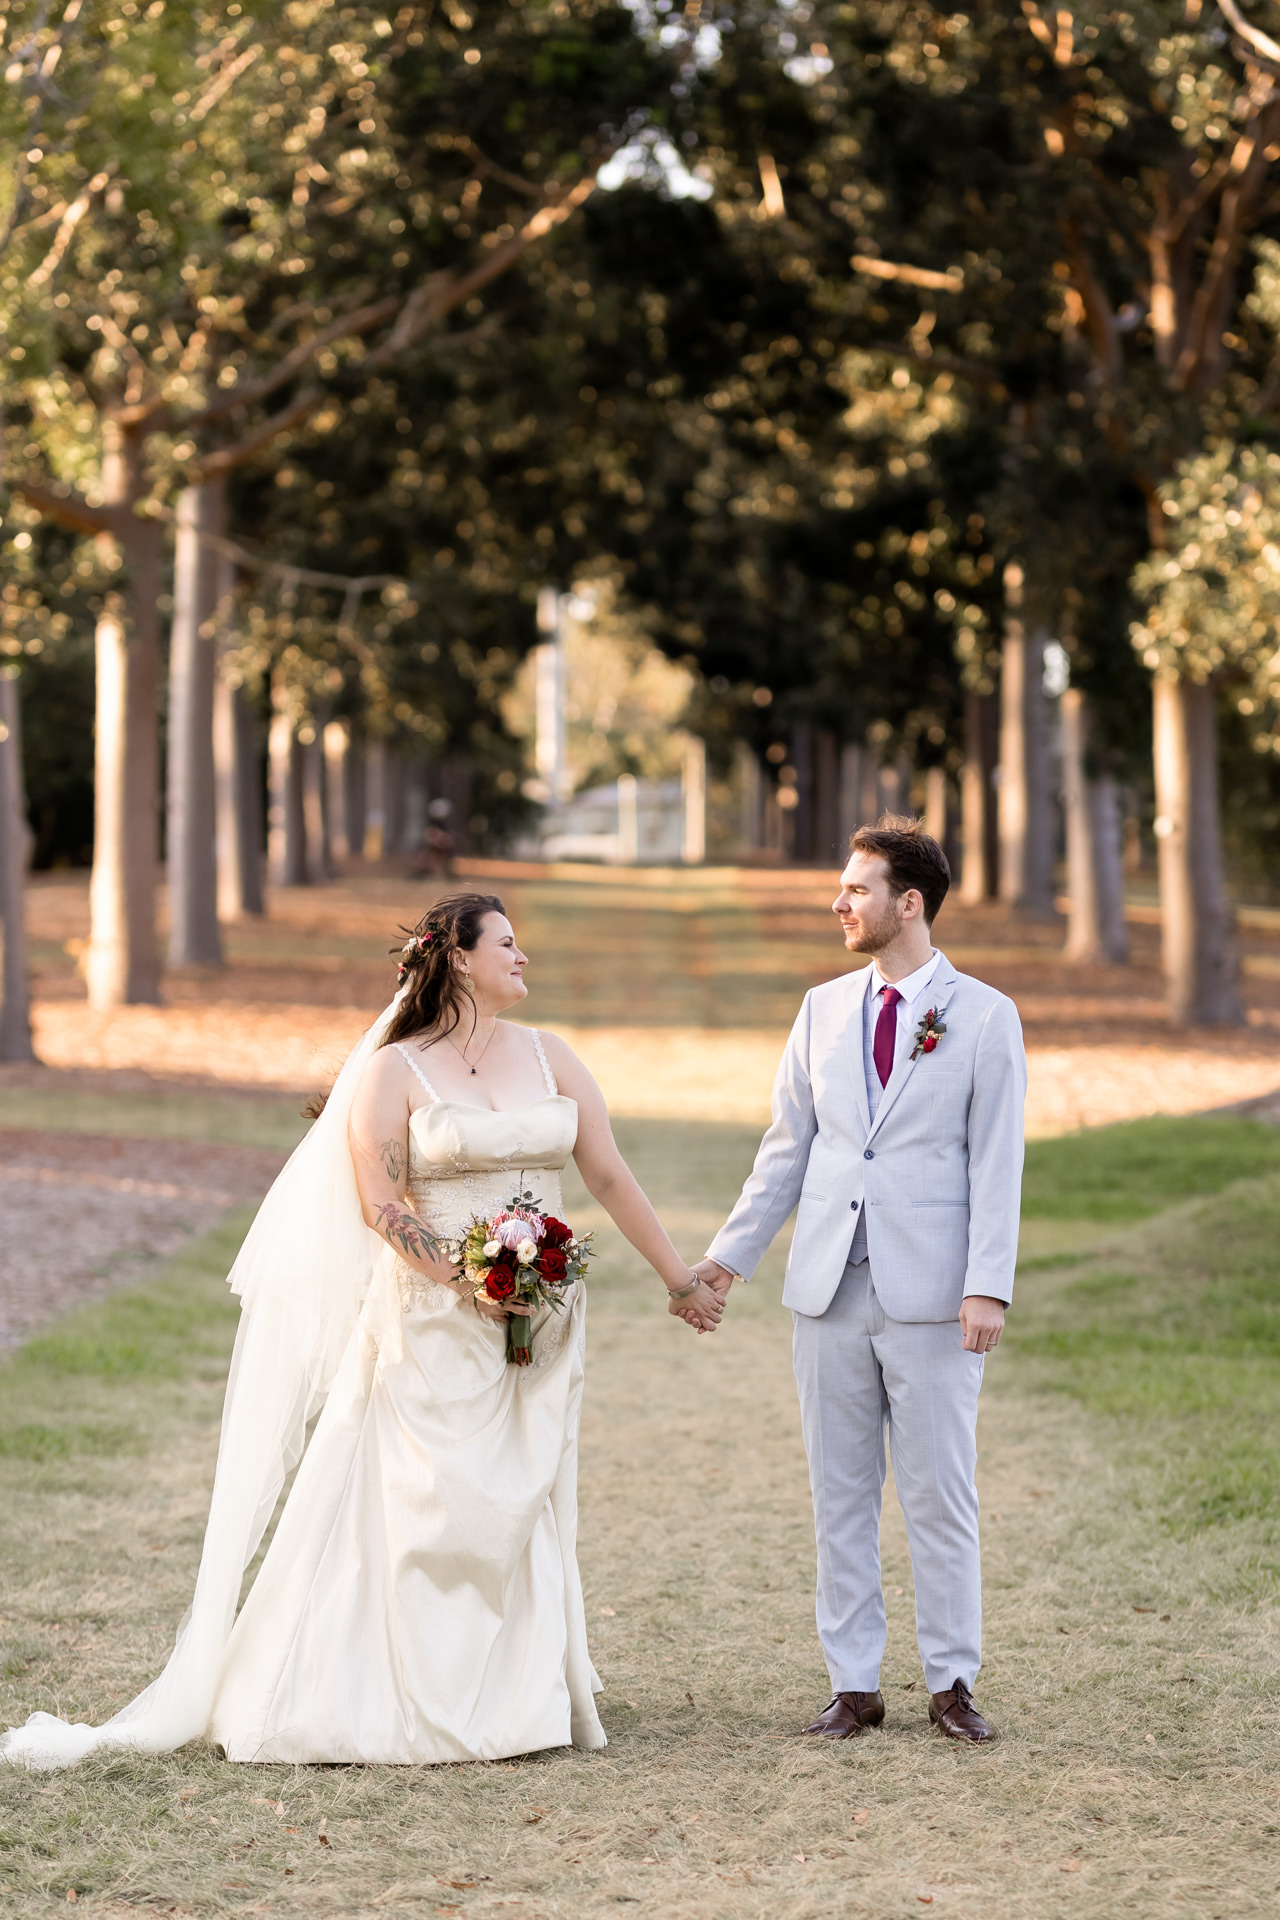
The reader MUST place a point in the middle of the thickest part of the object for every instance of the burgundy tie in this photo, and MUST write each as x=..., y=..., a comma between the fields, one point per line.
x=886, y=1034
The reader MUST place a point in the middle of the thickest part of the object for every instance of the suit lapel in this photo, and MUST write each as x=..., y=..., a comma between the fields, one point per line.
x=934, y=1000
x=854, y=1063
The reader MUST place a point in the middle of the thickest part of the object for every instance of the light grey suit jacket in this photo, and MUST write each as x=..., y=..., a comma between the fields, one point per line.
x=939, y=1170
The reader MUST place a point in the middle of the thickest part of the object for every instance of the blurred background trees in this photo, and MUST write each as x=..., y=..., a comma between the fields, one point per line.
x=907, y=379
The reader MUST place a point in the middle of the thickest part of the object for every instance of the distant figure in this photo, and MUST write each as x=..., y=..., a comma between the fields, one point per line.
x=438, y=843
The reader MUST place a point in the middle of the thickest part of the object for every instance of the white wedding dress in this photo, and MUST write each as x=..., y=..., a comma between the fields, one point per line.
x=420, y=1600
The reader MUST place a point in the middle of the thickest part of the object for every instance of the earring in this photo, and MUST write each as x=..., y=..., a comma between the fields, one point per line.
x=465, y=978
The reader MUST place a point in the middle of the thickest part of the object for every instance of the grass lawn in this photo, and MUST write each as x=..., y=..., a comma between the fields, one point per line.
x=1131, y=1490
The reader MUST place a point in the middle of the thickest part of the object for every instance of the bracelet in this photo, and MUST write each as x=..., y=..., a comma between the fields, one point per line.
x=682, y=1293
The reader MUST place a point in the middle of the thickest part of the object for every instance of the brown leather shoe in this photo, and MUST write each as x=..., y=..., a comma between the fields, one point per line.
x=849, y=1714
x=955, y=1715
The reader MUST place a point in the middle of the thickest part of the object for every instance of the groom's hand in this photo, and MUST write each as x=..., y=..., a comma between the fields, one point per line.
x=982, y=1321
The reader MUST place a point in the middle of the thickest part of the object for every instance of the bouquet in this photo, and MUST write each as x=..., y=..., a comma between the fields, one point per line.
x=521, y=1254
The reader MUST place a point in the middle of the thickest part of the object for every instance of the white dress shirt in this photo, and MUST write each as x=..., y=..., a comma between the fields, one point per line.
x=913, y=990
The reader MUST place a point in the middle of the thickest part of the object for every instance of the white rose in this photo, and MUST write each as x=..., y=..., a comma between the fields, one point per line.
x=492, y=1248
x=527, y=1252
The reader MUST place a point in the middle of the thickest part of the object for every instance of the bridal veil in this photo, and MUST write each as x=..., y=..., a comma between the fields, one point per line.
x=301, y=1275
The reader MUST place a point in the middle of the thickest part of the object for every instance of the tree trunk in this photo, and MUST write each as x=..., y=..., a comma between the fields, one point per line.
x=851, y=818
x=1096, y=932
x=194, y=939
x=239, y=802
x=355, y=790
x=337, y=754
x=1025, y=821
x=315, y=837
x=935, y=804
x=122, y=962
x=286, y=821
x=15, y=841
x=827, y=845
x=693, y=802
x=1108, y=830
x=1201, y=962
x=978, y=842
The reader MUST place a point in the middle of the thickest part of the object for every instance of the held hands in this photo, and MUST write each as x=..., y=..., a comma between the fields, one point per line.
x=982, y=1321
x=701, y=1309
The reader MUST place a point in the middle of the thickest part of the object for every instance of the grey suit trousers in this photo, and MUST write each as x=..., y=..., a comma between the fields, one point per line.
x=861, y=1374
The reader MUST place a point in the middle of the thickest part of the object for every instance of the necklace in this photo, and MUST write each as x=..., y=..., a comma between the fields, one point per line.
x=461, y=1052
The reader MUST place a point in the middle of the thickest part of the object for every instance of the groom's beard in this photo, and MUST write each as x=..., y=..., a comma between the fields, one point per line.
x=872, y=936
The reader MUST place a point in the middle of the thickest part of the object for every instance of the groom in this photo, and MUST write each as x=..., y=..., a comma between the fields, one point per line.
x=897, y=1130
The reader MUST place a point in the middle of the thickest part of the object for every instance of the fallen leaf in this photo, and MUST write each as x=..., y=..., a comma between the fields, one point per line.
x=689, y=1697
x=861, y=1817
x=898, y=1590
x=1144, y=1609
x=1150, y=1739
x=72, y=1894
x=801, y=1857
x=459, y=1886
x=1070, y=1866
x=188, y=1793
x=276, y=1806
x=1166, y=1616
x=291, y=1829
x=608, y=1613
x=631, y=1704
x=925, y=1899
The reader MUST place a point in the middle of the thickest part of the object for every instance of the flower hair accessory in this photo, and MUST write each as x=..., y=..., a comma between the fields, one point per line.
x=928, y=1034
x=412, y=954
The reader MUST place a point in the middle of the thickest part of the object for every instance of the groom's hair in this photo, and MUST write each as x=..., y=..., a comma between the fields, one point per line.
x=913, y=857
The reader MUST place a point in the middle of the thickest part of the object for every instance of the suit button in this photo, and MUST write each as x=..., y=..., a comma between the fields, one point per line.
x=868, y=1154
x=853, y=1206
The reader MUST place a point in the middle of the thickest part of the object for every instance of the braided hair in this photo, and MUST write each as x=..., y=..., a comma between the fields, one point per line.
x=434, y=997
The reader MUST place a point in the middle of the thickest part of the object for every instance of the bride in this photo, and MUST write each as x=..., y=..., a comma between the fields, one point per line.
x=420, y=1600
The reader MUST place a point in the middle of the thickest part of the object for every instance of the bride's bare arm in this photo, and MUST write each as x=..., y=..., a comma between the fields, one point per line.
x=378, y=1136
x=610, y=1180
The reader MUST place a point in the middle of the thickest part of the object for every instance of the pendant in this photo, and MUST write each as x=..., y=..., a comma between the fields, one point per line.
x=473, y=1073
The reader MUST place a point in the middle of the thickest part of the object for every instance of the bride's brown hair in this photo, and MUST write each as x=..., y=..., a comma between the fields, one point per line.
x=434, y=994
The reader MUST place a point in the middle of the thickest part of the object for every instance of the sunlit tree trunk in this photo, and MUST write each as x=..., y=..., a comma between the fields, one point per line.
x=122, y=962
x=1095, y=916
x=1025, y=821
x=194, y=939
x=15, y=840
x=1201, y=962
x=977, y=800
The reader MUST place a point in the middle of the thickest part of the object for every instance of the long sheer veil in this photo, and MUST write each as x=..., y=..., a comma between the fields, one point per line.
x=301, y=1274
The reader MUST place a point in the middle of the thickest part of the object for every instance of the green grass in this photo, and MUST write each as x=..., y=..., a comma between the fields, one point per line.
x=1130, y=1669
x=1170, y=1327
x=1130, y=1171
x=163, y=1114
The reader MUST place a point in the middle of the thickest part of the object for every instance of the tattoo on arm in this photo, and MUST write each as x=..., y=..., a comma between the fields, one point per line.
x=394, y=1159
x=404, y=1230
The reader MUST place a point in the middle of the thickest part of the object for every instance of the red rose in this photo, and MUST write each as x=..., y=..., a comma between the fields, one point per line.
x=555, y=1233
x=500, y=1282
x=553, y=1263
x=929, y=1042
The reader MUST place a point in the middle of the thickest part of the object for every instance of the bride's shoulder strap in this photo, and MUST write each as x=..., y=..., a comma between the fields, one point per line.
x=411, y=1056
x=543, y=1062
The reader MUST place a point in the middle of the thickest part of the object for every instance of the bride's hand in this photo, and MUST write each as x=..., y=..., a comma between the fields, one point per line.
x=702, y=1310
x=496, y=1310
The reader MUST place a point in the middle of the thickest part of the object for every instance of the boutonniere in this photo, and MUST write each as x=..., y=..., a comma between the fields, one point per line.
x=928, y=1034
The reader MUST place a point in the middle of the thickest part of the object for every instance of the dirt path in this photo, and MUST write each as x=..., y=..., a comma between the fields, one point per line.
x=81, y=1214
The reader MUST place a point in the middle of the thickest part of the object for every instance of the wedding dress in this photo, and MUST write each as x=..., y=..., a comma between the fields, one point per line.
x=420, y=1599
